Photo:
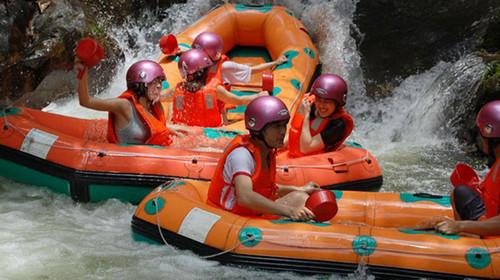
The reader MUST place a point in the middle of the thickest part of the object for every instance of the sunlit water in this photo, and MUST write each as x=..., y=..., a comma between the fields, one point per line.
x=48, y=236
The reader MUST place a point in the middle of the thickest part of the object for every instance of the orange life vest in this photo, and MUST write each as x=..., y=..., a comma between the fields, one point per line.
x=263, y=180
x=490, y=190
x=200, y=108
x=317, y=125
x=158, y=132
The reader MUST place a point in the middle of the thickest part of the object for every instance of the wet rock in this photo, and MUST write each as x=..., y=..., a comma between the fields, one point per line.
x=401, y=38
x=41, y=47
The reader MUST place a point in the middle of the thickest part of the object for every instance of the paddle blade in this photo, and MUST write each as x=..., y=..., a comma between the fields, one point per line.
x=89, y=51
x=169, y=45
x=268, y=82
x=464, y=175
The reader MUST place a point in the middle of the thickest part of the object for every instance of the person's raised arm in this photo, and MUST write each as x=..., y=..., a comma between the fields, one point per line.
x=115, y=105
x=309, y=143
x=281, y=59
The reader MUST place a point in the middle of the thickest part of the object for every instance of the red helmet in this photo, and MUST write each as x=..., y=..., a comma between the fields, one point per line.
x=488, y=120
x=193, y=61
x=211, y=43
x=263, y=110
x=330, y=86
x=144, y=71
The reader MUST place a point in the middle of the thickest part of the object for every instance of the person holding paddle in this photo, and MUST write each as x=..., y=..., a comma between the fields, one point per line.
x=136, y=116
x=244, y=180
x=476, y=204
x=199, y=100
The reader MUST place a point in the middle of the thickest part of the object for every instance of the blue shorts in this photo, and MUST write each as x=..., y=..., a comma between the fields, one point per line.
x=468, y=203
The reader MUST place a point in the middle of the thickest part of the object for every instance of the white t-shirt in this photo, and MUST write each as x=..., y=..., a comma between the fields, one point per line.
x=235, y=73
x=239, y=161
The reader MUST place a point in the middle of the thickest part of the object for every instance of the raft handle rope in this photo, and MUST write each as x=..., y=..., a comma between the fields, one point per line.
x=166, y=186
x=159, y=190
x=207, y=160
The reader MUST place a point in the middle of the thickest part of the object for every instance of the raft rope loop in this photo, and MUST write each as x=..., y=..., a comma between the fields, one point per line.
x=159, y=190
x=168, y=186
x=207, y=160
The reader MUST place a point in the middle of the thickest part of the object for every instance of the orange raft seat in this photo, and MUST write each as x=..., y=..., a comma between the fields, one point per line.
x=372, y=229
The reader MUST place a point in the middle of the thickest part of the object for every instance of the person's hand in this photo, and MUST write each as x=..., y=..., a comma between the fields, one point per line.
x=177, y=130
x=281, y=59
x=448, y=226
x=305, y=108
x=80, y=68
x=300, y=214
x=310, y=187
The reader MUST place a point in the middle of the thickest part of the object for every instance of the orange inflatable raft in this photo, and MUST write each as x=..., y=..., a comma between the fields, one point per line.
x=71, y=155
x=371, y=229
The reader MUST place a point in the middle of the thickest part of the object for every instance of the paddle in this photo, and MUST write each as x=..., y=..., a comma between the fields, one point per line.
x=169, y=45
x=267, y=83
x=463, y=174
x=89, y=52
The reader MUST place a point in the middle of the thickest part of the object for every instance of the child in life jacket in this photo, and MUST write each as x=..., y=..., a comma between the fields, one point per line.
x=244, y=180
x=199, y=100
x=477, y=207
x=136, y=116
x=320, y=123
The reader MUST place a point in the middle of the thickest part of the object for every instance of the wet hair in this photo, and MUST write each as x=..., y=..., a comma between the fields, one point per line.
x=195, y=81
x=139, y=89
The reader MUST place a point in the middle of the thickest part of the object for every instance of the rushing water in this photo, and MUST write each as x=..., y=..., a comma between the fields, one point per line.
x=47, y=236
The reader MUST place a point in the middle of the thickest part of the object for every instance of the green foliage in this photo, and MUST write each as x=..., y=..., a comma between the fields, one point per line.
x=492, y=71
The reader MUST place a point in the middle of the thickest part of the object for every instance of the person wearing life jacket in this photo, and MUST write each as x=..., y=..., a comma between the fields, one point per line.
x=136, y=116
x=244, y=179
x=230, y=71
x=477, y=209
x=320, y=123
x=199, y=99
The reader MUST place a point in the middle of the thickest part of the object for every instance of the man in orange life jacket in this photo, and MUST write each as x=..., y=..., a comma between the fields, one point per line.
x=244, y=180
x=230, y=72
x=136, y=116
x=321, y=124
x=199, y=99
x=477, y=209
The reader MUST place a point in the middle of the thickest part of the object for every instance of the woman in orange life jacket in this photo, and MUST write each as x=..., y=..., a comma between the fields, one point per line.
x=321, y=124
x=231, y=72
x=244, y=180
x=476, y=209
x=136, y=116
x=199, y=99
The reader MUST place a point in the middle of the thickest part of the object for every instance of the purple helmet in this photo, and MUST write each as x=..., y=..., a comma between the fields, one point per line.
x=488, y=120
x=330, y=86
x=263, y=110
x=144, y=71
x=193, y=61
x=211, y=43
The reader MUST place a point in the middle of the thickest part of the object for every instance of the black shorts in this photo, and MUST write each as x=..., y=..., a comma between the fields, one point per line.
x=468, y=203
